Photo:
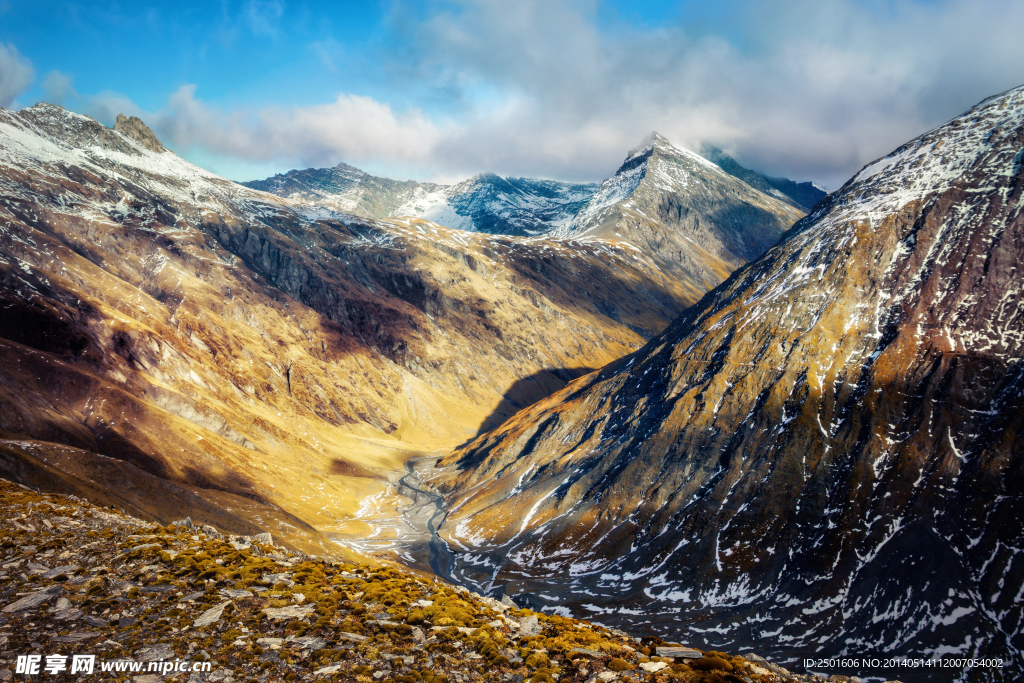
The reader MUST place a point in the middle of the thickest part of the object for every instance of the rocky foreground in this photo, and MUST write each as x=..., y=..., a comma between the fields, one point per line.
x=78, y=579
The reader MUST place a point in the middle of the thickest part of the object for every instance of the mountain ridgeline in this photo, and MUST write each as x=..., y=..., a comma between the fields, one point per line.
x=487, y=202
x=697, y=221
x=823, y=455
x=484, y=203
x=177, y=344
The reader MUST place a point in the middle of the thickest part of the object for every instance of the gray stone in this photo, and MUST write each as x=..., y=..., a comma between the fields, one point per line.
x=290, y=612
x=311, y=643
x=328, y=670
x=155, y=653
x=679, y=652
x=507, y=601
x=235, y=593
x=77, y=637
x=32, y=601
x=144, y=546
x=69, y=614
x=67, y=569
x=354, y=637
x=147, y=678
x=264, y=538
x=530, y=626
x=272, y=643
x=211, y=615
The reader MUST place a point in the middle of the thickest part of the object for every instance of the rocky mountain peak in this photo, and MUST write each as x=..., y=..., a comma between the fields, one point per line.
x=699, y=221
x=348, y=168
x=782, y=460
x=134, y=128
x=653, y=139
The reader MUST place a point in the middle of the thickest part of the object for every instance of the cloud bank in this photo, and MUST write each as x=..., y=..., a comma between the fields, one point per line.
x=16, y=75
x=560, y=89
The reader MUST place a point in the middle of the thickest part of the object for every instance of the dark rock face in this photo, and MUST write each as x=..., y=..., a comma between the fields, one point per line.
x=800, y=195
x=518, y=206
x=822, y=456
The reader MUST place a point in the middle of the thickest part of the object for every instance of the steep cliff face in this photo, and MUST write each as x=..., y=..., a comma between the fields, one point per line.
x=698, y=221
x=270, y=355
x=824, y=454
x=483, y=203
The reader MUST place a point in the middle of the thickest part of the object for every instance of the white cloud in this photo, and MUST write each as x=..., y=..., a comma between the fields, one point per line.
x=58, y=88
x=16, y=74
x=355, y=128
x=552, y=88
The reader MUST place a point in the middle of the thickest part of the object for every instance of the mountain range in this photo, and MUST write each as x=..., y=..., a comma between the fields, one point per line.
x=487, y=202
x=692, y=401
x=483, y=203
x=822, y=455
x=165, y=329
x=698, y=220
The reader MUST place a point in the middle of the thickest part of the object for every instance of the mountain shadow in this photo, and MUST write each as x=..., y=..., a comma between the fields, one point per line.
x=527, y=391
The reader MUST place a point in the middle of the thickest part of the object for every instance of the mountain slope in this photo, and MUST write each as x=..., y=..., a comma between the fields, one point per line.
x=803, y=196
x=698, y=221
x=276, y=359
x=483, y=203
x=823, y=454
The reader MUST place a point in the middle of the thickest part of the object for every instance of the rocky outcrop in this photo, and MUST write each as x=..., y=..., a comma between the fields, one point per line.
x=825, y=451
x=210, y=608
x=134, y=128
x=803, y=195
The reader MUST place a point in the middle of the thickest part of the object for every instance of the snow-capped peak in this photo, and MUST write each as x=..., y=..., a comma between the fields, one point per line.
x=653, y=140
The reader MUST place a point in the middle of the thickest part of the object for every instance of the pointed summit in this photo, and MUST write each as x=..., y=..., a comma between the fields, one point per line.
x=653, y=139
x=700, y=222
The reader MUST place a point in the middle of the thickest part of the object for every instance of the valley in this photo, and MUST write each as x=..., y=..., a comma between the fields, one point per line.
x=674, y=403
x=265, y=362
x=822, y=454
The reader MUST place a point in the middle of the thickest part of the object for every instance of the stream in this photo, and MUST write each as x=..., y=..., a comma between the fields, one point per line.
x=427, y=509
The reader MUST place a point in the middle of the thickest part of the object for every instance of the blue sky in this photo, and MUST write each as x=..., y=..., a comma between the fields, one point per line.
x=558, y=89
